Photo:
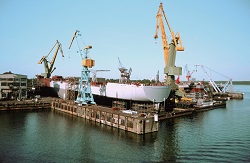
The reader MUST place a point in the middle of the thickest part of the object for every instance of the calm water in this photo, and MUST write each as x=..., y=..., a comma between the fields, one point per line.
x=221, y=135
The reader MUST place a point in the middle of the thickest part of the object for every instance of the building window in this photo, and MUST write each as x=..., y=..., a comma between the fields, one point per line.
x=16, y=84
x=4, y=84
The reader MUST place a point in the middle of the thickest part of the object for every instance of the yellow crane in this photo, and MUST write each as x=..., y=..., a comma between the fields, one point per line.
x=49, y=67
x=169, y=50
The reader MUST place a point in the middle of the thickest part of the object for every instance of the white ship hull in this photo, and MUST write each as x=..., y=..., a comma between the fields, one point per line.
x=133, y=92
x=59, y=87
x=120, y=91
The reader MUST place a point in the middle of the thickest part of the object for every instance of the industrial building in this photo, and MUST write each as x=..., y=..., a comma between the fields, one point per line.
x=13, y=86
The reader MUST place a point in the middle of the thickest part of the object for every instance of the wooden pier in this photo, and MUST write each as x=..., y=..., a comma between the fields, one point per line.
x=135, y=123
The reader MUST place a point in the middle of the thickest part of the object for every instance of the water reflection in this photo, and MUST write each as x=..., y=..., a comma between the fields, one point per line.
x=90, y=126
x=220, y=135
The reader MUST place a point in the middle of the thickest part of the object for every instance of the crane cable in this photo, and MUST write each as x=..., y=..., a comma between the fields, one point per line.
x=217, y=72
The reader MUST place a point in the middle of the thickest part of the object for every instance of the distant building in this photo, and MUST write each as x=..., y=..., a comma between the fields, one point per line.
x=13, y=86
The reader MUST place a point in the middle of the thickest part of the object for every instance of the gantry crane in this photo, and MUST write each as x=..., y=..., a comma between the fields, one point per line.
x=169, y=50
x=49, y=68
x=84, y=89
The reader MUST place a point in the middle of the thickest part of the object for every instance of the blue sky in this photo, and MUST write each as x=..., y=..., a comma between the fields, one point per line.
x=214, y=33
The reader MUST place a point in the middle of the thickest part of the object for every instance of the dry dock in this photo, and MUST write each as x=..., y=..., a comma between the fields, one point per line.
x=136, y=123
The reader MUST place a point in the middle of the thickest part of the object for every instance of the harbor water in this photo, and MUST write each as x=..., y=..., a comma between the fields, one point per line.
x=219, y=135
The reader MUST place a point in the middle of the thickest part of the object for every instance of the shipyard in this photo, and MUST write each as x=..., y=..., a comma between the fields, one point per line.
x=97, y=89
x=139, y=105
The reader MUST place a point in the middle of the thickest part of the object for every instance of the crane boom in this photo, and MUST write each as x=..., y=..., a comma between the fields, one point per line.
x=175, y=38
x=159, y=23
x=55, y=54
x=49, y=68
x=73, y=37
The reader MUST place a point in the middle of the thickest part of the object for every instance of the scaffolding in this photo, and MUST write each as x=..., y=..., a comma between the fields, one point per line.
x=71, y=88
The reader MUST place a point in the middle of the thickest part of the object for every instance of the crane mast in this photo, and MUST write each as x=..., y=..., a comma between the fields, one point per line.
x=169, y=49
x=85, y=95
x=49, y=68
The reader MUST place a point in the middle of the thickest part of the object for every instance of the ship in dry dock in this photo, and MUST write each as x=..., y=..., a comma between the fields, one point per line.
x=124, y=90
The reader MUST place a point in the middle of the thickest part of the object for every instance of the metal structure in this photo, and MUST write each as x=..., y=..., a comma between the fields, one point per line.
x=125, y=76
x=189, y=74
x=157, y=79
x=227, y=87
x=49, y=69
x=72, y=83
x=94, y=79
x=169, y=50
x=84, y=89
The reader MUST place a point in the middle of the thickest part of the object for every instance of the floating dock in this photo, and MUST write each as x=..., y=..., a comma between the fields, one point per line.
x=124, y=120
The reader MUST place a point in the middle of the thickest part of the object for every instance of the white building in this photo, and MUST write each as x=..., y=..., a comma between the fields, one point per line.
x=13, y=86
